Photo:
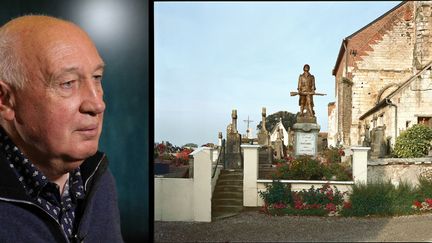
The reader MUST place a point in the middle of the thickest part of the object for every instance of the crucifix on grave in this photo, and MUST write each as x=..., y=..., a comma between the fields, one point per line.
x=248, y=130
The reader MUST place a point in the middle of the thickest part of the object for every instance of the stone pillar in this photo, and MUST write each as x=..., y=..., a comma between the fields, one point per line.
x=359, y=164
x=234, y=121
x=233, y=157
x=263, y=135
x=250, y=176
x=202, y=189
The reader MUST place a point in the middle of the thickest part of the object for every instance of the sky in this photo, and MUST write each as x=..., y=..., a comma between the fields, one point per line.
x=213, y=57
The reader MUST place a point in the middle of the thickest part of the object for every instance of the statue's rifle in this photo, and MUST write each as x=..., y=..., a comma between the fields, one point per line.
x=306, y=93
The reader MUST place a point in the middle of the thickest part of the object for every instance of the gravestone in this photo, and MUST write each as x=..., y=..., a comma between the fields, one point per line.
x=263, y=134
x=233, y=155
x=367, y=138
x=279, y=146
x=378, y=142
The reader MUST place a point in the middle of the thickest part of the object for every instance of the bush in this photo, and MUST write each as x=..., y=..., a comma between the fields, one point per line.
x=276, y=192
x=333, y=154
x=306, y=168
x=381, y=198
x=403, y=195
x=338, y=171
x=414, y=142
x=424, y=187
x=320, y=196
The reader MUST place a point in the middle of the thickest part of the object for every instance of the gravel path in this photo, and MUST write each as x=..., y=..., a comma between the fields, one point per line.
x=252, y=226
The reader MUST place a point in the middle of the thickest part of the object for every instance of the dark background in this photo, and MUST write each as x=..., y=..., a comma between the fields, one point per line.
x=120, y=30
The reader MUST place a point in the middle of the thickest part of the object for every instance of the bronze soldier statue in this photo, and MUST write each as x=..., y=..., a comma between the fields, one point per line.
x=306, y=90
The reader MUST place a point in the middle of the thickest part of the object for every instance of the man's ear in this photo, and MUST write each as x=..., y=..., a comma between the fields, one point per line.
x=7, y=111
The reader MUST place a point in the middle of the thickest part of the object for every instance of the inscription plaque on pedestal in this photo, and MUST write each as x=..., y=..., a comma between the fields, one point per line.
x=306, y=139
x=306, y=143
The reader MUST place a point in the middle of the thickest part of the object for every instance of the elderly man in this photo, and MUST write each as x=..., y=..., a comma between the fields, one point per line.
x=54, y=184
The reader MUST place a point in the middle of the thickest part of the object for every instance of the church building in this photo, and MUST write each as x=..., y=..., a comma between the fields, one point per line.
x=383, y=77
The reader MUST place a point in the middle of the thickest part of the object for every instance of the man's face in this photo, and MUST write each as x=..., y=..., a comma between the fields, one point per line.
x=59, y=113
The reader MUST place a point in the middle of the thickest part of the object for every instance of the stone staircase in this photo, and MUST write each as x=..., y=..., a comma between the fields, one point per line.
x=265, y=169
x=227, y=197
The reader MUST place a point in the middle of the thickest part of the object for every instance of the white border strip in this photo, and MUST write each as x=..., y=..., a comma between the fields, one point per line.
x=309, y=182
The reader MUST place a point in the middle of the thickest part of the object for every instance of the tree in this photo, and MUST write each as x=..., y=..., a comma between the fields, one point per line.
x=288, y=120
x=190, y=145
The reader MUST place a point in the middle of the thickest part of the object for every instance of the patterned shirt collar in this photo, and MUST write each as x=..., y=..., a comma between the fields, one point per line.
x=32, y=179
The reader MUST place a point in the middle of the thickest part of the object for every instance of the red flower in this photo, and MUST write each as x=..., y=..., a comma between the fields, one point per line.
x=347, y=205
x=429, y=202
x=279, y=205
x=330, y=207
x=298, y=204
x=417, y=204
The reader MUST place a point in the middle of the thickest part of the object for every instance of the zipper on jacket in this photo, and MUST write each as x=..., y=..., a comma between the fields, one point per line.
x=88, y=197
x=75, y=236
x=37, y=206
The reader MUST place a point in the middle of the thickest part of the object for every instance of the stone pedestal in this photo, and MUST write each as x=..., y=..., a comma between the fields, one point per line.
x=306, y=138
x=263, y=138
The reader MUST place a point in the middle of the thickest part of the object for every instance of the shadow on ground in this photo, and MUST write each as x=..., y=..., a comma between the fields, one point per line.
x=252, y=226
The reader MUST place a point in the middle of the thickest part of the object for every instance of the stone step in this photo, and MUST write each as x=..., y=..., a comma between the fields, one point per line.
x=261, y=166
x=230, y=182
x=229, y=188
x=223, y=215
x=228, y=195
x=229, y=171
x=231, y=177
x=266, y=173
x=227, y=202
x=220, y=209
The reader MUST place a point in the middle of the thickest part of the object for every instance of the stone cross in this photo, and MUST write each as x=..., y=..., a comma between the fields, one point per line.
x=247, y=130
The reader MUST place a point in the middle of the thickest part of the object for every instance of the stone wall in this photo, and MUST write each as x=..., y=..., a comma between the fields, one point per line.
x=397, y=170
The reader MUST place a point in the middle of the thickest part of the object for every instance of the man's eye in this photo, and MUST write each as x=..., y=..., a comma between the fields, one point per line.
x=67, y=85
x=98, y=77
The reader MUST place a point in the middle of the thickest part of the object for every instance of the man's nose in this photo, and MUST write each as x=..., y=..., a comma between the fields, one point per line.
x=92, y=99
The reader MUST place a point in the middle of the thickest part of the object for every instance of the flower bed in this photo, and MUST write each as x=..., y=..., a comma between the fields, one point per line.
x=381, y=198
x=280, y=200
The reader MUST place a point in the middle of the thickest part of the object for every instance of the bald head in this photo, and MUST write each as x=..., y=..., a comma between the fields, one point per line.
x=25, y=41
x=51, y=95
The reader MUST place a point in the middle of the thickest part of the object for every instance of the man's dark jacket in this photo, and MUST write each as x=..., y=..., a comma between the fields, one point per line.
x=21, y=220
